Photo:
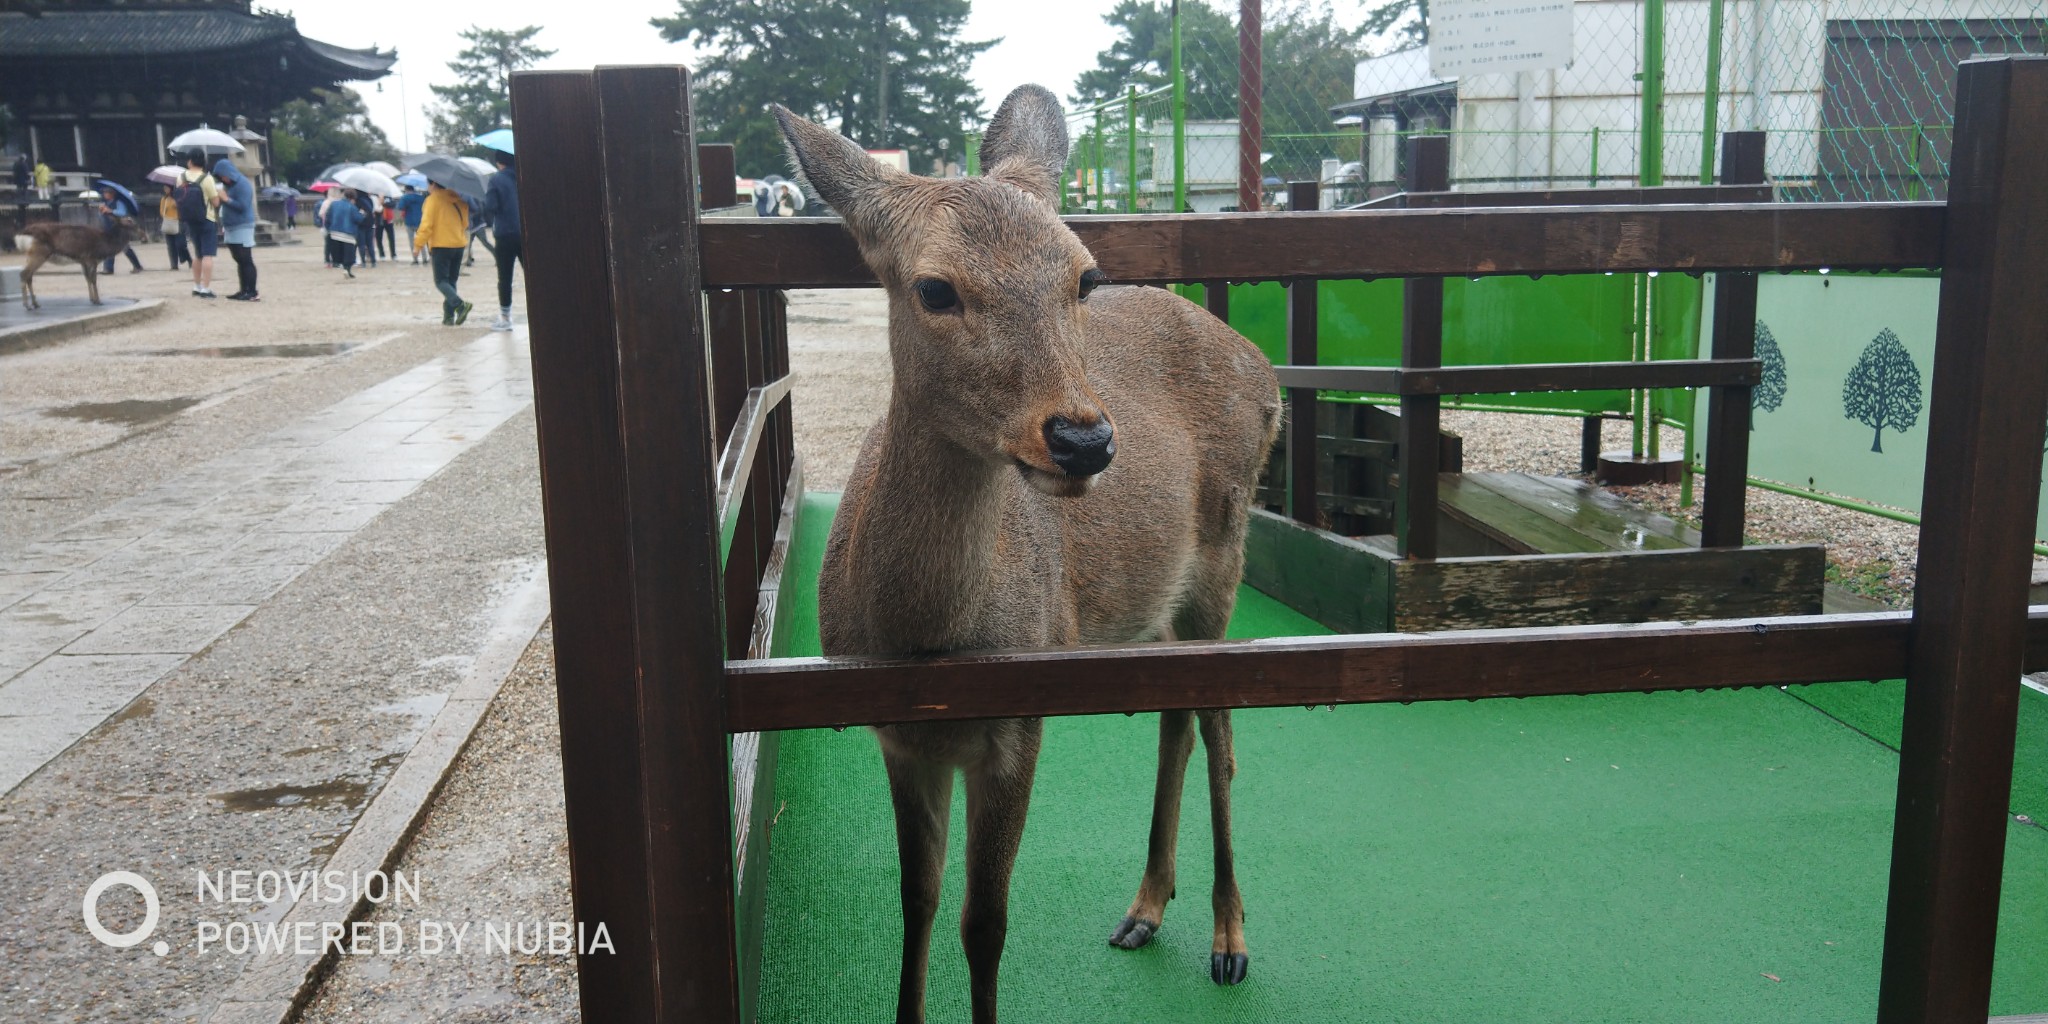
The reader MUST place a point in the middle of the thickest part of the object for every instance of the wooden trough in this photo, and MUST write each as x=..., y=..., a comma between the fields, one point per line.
x=662, y=396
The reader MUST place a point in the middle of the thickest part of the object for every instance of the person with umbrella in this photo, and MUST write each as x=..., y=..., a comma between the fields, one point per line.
x=444, y=233
x=238, y=225
x=409, y=203
x=366, y=227
x=120, y=202
x=174, y=236
x=503, y=206
x=198, y=199
x=340, y=216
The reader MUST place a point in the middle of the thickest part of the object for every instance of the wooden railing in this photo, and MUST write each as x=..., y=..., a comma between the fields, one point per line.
x=624, y=299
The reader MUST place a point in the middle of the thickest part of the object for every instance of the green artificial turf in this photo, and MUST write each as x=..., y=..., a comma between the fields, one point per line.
x=1674, y=856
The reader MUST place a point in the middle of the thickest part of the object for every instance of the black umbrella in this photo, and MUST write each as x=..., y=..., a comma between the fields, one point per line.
x=449, y=172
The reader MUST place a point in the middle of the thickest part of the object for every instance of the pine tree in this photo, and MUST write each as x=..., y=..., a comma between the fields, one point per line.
x=889, y=74
x=1769, y=392
x=481, y=99
x=1883, y=388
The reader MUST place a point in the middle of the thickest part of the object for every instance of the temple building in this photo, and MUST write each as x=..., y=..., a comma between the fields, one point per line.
x=102, y=85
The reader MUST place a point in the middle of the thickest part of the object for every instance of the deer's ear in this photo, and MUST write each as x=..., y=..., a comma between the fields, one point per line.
x=839, y=172
x=1026, y=143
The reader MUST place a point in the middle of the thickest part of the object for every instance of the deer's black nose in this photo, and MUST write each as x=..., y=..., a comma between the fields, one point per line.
x=1080, y=450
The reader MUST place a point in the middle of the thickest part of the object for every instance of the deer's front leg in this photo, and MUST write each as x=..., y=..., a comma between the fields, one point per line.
x=998, y=795
x=1148, y=909
x=1228, y=958
x=922, y=792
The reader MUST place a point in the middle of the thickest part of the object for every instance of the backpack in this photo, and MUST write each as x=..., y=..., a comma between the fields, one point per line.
x=191, y=199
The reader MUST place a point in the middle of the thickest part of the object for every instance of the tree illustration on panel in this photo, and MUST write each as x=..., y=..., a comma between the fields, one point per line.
x=1883, y=388
x=1769, y=392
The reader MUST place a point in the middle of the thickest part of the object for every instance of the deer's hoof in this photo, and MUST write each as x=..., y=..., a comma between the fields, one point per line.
x=1131, y=932
x=1228, y=968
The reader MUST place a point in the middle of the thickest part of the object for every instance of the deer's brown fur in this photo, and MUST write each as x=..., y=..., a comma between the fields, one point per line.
x=959, y=530
x=88, y=246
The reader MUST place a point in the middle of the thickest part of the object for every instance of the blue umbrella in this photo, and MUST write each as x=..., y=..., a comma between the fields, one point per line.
x=104, y=185
x=499, y=139
x=413, y=178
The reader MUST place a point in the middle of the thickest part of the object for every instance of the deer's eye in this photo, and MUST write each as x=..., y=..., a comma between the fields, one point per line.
x=937, y=295
x=1089, y=279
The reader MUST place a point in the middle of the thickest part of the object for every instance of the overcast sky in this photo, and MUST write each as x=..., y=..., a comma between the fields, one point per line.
x=1044, y=41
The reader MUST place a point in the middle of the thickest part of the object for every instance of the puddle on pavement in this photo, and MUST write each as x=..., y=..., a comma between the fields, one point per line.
x=308, y=350
x=129, y=412
x=348, y=792
x=142, y=707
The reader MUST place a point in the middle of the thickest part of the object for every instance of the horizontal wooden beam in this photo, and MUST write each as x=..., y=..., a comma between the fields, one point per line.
x=806, y=693
x=736, y=464
x=1501, y=379
x=1688, y=194
x=797, y=252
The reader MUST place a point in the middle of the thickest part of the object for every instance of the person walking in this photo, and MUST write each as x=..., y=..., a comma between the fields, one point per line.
x=387, y=232
x=366, y=228
x=43, y=177
x=119, y=205
x=409, y=205
x=198, y=199
x=444, y=233
x=501, y=201
x=341, y=216
x=238, y=225
x=174, y=236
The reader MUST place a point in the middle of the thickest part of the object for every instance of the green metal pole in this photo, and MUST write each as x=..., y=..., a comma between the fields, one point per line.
x=973, y=153
x=1131, y=149
x=1651, y=167
x=1593, y=177
x=1711, y=127
x=1180, y=121
x=1095, y=167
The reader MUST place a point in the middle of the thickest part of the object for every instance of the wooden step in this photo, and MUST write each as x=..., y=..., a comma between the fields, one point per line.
x=1548, y=515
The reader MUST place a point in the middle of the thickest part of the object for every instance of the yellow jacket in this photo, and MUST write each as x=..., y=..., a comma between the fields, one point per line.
x=444, y=222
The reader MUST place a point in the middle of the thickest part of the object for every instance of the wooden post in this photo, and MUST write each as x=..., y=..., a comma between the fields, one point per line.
x=1250, y=65
x=1723, y=507
x=1422, y=346
x=1216, y=299
x=623, y=403
x=1984, y=440
x=718, y=185
x=1589, y=443
x=1302, y=490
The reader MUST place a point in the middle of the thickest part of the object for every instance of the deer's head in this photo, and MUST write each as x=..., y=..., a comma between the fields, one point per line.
x=988, y=291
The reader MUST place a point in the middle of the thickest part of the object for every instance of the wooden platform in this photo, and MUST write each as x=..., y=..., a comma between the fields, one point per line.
x=1525, y=550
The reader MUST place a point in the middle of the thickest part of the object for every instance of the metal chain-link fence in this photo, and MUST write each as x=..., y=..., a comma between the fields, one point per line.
x=1856, y=98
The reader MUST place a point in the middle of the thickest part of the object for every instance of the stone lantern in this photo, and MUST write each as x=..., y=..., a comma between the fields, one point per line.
x=254, y=159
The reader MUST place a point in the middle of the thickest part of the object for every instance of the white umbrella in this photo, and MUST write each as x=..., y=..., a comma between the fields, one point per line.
x=481, y=166
x=208, y=141
x=383, y=168
x=166, y=175
x=363, y=179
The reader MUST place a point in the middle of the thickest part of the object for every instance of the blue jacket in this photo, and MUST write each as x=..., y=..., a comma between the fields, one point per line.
x=344, y=217
x=409, y=206
x=502, y=203
x=238, y=196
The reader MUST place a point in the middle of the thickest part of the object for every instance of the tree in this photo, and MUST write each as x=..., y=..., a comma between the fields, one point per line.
x=1769, y=392
x=481, y=98
x=1406, y=20
x=332, y=127
x=1307, y=65
x=889, y=74
x=1883, y=388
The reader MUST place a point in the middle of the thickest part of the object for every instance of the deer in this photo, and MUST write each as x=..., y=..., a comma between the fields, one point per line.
x=85, y=245
x=1061, y=462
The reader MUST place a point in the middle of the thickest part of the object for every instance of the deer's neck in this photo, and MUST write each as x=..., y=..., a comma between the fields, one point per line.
x=929, y=544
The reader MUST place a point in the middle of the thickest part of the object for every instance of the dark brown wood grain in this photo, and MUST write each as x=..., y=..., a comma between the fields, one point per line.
x=1689, y=194
x=726, y=313
x=796, y=252
x=717, y=186
x=1648, y=585
x=803, y=693
x=754, y=756
x=665, y=430
x=576, y=408
x=1302, y=489
x=1725, y=498
x=1501, y=379
x=1984, y=441
x=1422, y=349
x=736, y=466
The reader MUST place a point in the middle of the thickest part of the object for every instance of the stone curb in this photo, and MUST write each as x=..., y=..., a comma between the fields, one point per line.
x=272, y=988
x=15, y=340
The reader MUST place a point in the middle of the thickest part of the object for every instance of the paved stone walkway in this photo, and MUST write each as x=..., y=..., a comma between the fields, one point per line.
x=94, y=614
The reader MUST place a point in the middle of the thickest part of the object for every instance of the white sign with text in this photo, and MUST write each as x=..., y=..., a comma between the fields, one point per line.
x=1483, y=37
